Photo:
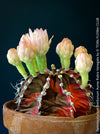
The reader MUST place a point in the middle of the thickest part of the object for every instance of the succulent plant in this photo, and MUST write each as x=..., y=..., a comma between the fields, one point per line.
x=56, y=92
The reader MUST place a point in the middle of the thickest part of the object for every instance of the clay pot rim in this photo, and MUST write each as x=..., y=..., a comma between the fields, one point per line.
x=52, y=118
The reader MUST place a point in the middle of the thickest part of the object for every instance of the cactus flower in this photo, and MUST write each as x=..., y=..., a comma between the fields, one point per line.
x=79, y=50
x=65, y=50
x=41, y=44
x=13, y=59
x=84, y=64
x=26, y=54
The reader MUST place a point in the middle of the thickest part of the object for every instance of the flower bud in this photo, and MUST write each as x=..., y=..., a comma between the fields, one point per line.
x=27, y=54
x=83, y=62
x=12, y=57
x=25, y=50
x=83, y=65
x=65, y=48
x=80, y=50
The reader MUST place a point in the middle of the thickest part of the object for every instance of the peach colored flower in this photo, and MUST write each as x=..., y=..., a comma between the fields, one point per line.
x=83, y=62
x=65, y=48
x=25, y=50
x=39, y=40
x=80, y=50
x=25, y=39
x=12, y=57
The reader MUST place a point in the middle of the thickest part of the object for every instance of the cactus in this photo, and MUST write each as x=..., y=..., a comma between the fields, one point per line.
x=57, y=92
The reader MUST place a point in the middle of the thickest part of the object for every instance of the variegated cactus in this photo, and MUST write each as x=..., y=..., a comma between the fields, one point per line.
x=56, y=92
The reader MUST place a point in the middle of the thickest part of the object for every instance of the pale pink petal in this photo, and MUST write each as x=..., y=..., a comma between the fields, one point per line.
x=83, y=62
x=80, y=50
x=65, y=48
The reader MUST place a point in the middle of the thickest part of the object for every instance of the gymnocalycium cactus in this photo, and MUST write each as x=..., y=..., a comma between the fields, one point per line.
x=59, y=92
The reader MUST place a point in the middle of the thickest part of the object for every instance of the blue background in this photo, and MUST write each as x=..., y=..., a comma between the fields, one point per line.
x=61, y=18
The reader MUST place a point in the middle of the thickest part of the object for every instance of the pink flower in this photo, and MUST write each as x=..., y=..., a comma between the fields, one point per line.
x=25, y=50
x=25, y=39
x=12, y=57
x=39, y=40
x=80, y=50
x=83, y=62
x=65, y=48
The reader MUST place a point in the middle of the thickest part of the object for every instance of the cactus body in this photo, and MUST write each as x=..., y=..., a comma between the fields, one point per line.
x=63, y=96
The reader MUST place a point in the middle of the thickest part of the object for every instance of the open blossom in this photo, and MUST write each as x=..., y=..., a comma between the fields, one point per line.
x=80, y=50
x=65, y=48
x=39, y=40
x=12, y=57
x=25, y=50
x=83, y=62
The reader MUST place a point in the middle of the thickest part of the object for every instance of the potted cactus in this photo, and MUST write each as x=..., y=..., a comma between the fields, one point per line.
x=50, y=101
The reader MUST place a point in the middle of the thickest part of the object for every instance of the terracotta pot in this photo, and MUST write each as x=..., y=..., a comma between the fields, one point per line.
x=21, y=123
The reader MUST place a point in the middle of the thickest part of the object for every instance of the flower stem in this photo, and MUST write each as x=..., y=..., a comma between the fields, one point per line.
x=75, y=70
x=42, y=63
x=65, y=62
x=31, y=68
x=21, y=70
x=35, y=65
x=85, y=78
x=45, y=62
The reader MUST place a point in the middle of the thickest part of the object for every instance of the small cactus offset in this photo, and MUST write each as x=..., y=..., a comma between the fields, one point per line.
x=58, y=92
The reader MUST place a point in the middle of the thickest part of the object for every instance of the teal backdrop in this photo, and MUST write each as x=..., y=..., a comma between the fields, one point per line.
x=75, y=19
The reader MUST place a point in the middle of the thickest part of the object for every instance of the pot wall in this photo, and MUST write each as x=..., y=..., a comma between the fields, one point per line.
x=21, y=123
